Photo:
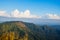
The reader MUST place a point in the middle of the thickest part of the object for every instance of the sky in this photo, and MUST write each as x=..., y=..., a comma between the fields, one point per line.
x=45, y=9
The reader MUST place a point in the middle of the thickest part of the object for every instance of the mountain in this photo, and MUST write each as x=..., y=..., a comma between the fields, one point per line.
x=32, y=20
x=55, y=26
x=55, y=23
x=18, y=30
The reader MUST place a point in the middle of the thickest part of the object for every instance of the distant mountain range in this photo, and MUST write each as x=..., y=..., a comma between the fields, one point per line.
x=55, y=23
x=18, y=30
x=32, y=20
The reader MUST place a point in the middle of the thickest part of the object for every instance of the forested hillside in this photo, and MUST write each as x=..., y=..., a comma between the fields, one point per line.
x=18, y=30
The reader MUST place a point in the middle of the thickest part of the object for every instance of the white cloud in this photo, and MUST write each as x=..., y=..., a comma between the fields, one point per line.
x=52, y=16
x=18, y=14
x=15, y=13
x=3, y=13
x=25, y=14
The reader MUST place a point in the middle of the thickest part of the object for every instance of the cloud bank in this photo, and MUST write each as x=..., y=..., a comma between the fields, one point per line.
x=3, y=13
x=26, y=14
x=52, y=16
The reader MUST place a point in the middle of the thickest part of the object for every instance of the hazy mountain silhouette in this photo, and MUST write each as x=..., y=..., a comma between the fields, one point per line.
x=32, y=20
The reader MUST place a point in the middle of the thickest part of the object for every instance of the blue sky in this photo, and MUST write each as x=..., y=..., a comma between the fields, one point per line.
x=37, y=7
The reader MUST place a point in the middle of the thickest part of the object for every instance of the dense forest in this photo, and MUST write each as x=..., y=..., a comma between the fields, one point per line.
x=18, y=30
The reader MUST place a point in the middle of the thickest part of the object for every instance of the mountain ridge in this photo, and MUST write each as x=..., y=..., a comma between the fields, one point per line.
x=32, y=20
x=19, y=30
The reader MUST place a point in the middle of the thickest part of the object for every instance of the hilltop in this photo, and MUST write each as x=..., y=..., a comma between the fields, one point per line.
x=18, y=30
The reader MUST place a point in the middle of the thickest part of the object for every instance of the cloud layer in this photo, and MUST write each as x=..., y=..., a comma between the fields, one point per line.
x=26, y=14
x=52, y=16
x=3, y=13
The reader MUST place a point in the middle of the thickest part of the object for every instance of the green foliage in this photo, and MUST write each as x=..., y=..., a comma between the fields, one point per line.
x=16, y=30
